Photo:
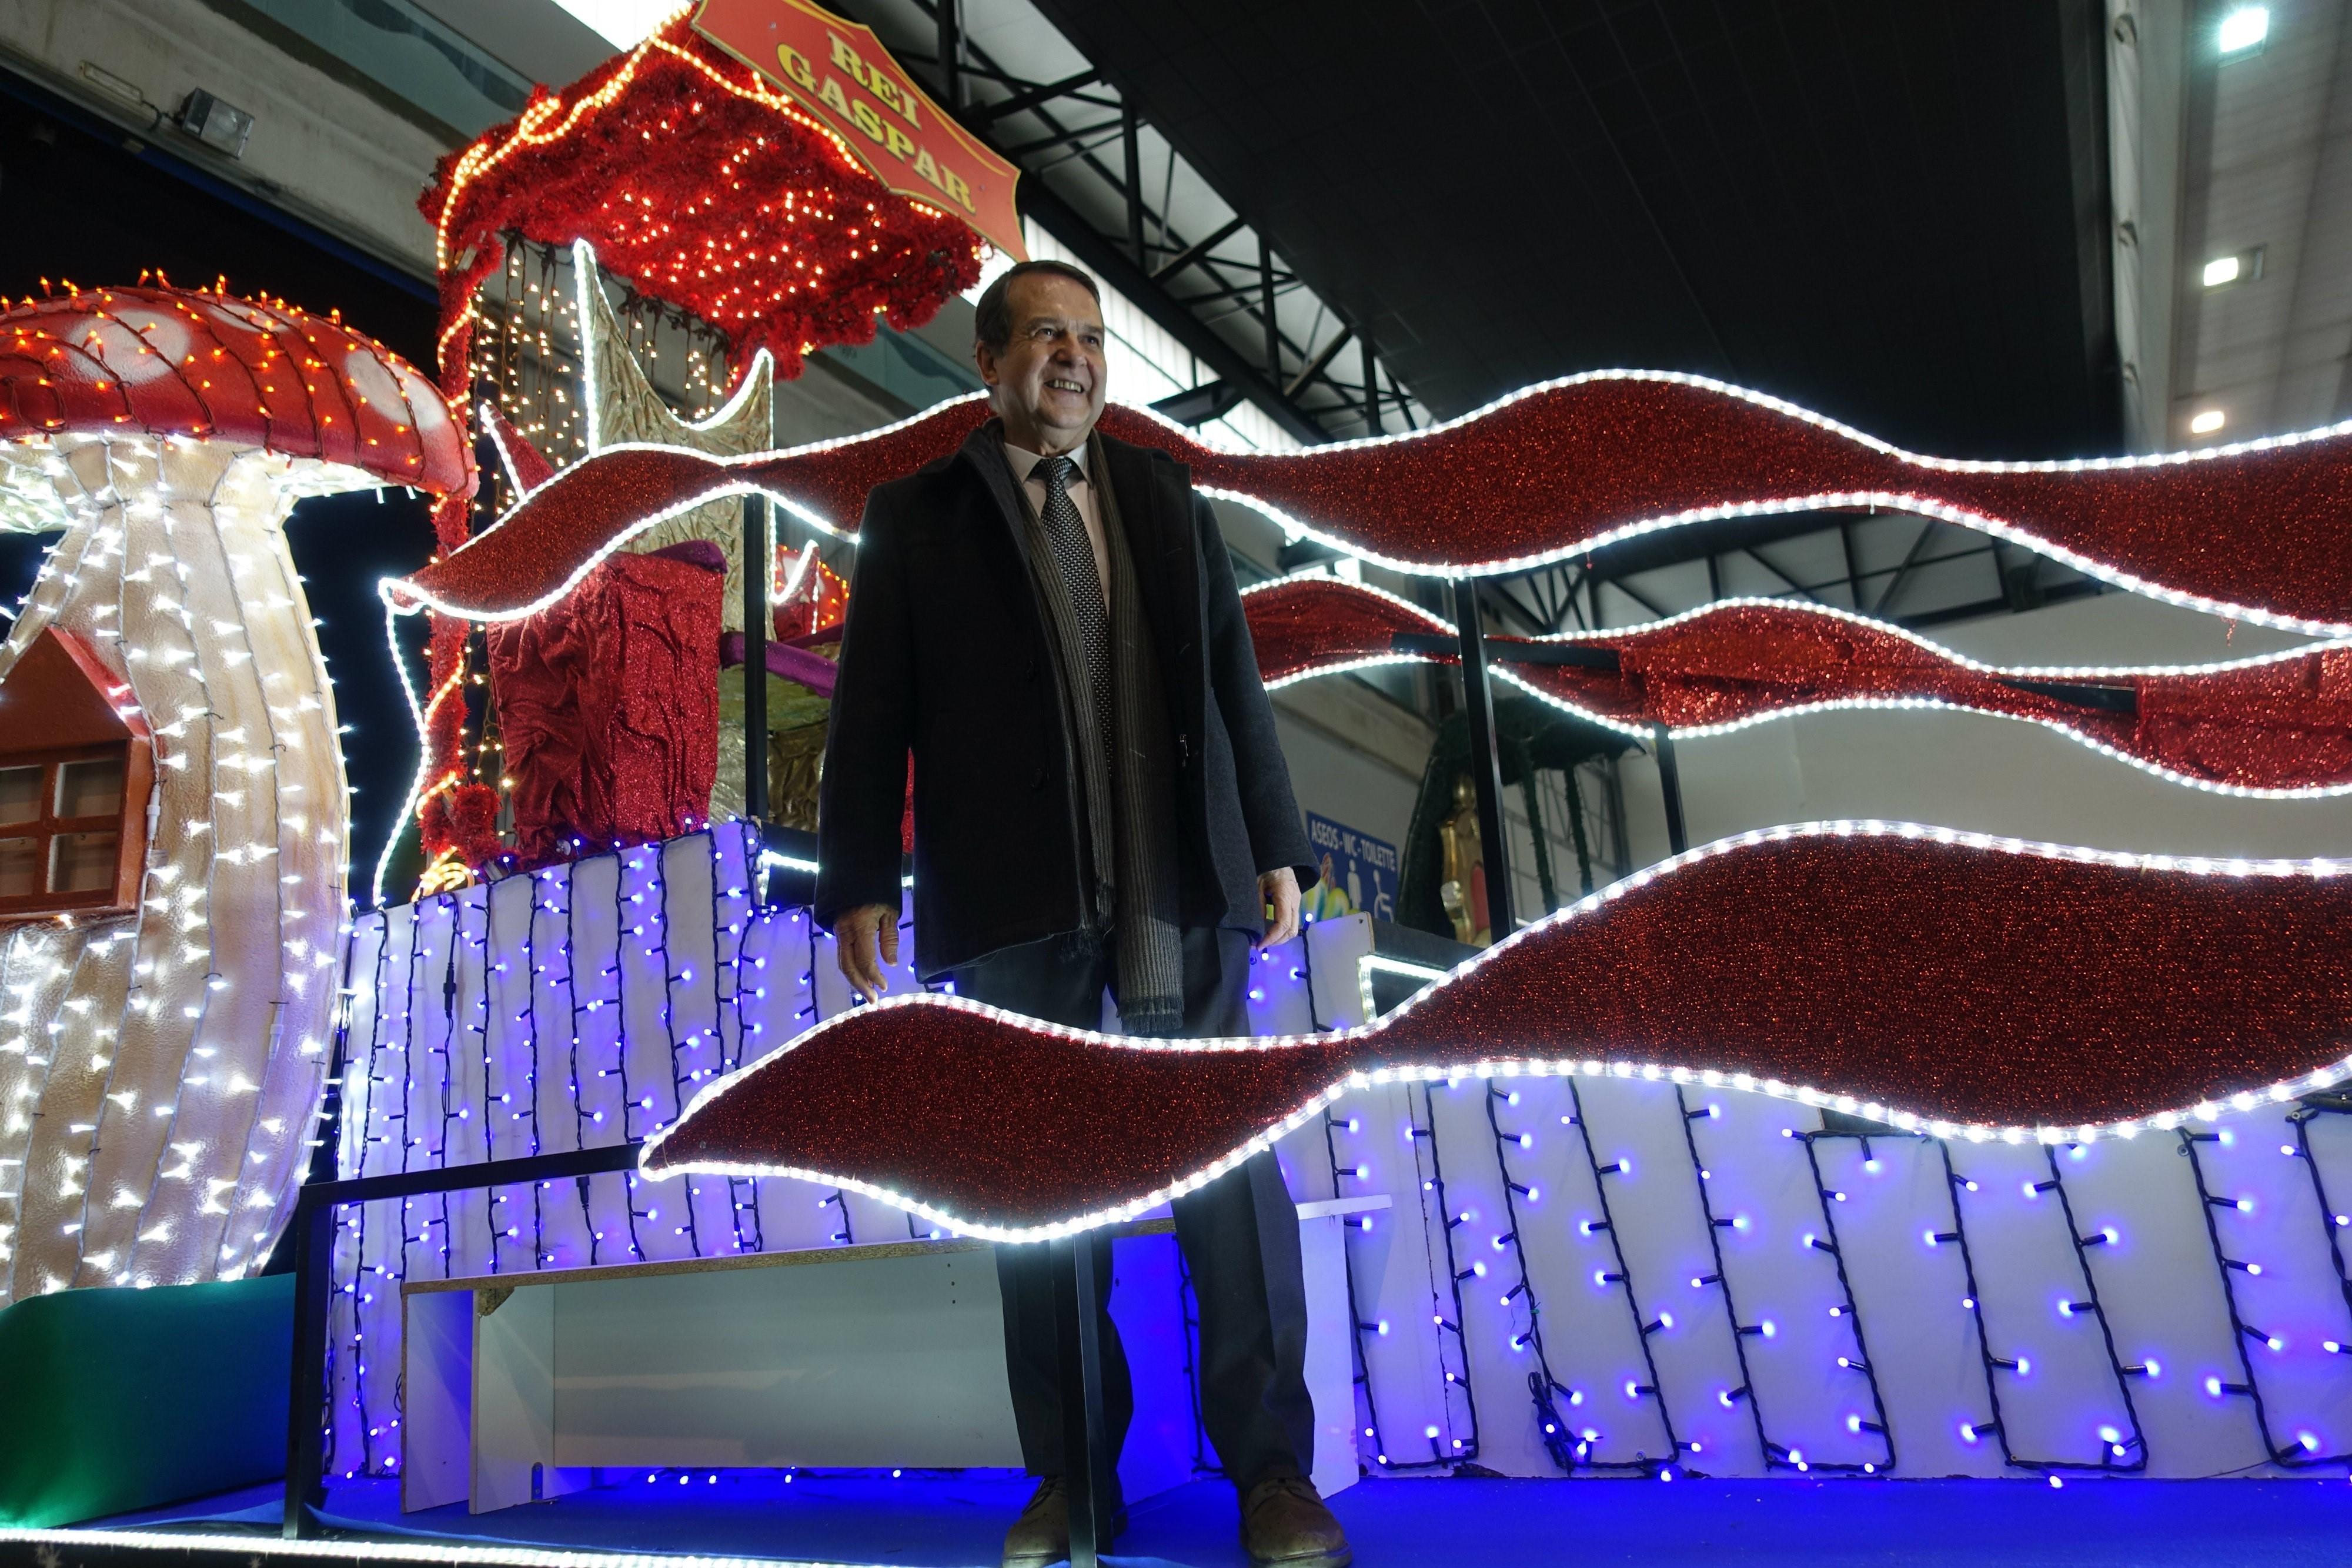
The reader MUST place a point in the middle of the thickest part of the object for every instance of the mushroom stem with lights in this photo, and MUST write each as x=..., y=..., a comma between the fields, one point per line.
x=161, y=1070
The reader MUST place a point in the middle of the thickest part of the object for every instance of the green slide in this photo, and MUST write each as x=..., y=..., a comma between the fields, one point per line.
x=118, y=1399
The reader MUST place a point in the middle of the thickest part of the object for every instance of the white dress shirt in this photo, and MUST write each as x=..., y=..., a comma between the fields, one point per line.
x=1082, y=495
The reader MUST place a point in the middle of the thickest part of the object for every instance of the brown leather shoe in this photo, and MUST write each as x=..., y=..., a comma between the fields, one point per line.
x=1284, y=1524
x=1042, y=1534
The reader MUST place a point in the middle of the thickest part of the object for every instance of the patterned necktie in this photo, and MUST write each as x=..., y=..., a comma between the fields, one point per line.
x=1074, y=554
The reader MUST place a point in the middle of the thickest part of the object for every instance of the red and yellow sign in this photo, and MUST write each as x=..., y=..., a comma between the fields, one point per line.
x=841, y=73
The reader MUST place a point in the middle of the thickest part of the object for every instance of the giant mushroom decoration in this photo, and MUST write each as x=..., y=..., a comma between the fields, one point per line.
x=159, y=1069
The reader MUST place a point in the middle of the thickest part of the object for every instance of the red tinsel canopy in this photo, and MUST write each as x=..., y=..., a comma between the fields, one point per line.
x=704, y=188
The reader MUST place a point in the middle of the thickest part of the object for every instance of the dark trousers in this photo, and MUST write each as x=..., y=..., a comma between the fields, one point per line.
x=1239, y=1236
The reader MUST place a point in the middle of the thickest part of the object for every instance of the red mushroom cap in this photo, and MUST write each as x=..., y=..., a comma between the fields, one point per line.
x=175, y=362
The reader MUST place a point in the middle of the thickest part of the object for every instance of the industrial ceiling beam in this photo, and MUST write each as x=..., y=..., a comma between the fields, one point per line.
x=1109, y=256
x=980, y=116
x=1322, y=359
x=1110, y=262
x=1194, y=252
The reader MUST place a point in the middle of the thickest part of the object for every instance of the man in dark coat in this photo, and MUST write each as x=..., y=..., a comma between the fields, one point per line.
x=1047, y=623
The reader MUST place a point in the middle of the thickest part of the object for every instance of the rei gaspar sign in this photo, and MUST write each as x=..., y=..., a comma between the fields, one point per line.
x=840, y=72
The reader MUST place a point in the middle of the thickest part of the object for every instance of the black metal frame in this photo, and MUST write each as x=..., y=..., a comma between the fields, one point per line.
x=1083, y=1426
x=1485, y=762
x=1564, y=595
x=312, y=1229
x=756, y=567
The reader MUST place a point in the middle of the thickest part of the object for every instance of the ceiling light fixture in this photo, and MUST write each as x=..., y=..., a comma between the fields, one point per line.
x=2207, y=423
x=2222, y=270
x=2244, y=28
x=626, y=24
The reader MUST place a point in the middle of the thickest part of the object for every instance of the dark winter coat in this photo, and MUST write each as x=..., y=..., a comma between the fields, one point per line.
x=945, y=656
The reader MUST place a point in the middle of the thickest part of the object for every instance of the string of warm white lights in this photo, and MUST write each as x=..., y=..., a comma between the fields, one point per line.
x=616, y=396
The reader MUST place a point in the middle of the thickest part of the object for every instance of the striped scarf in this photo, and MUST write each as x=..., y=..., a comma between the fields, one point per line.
x=1119, y=725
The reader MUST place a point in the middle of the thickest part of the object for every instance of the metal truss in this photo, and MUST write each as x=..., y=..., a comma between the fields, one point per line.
x=1218, y=294
x=1218, y=287
x=1566, y=596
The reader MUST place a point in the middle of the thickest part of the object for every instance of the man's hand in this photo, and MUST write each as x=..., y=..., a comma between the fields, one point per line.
x=855, y=935
x=1280, y=888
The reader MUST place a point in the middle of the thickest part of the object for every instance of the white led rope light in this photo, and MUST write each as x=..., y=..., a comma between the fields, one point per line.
x=1370, y=963
x=509, y=458
x=402, y=597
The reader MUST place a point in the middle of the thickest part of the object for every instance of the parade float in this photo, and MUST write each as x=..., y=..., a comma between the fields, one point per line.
x=1843, y=1147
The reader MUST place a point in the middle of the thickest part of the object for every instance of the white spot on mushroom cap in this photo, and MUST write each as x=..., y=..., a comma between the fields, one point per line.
x=371, y=379
x=424, y=399
x=118, y=340
x=238, y=315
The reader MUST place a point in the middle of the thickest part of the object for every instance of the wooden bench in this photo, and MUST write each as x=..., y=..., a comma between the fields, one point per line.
x=517, y=1386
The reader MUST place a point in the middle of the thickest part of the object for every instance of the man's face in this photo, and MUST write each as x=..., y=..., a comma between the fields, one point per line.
x=1047, y=380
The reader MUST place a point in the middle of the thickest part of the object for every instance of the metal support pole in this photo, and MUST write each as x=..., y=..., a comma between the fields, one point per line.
x=1670, y=784
x=756, y=626
x=1486, y=760
x=1372, y=387
x=313, y=1230
x=950, y=55
x=1085, y=1465
x=305, y=1399
x=1130, y=125
x=1266, y=308
x=326, y=1151
x=487, y=462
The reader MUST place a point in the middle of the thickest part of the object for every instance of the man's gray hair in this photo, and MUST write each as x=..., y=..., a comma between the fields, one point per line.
x=991, y=321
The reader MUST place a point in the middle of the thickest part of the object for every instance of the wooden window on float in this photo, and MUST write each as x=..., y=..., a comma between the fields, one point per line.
x=77, y=772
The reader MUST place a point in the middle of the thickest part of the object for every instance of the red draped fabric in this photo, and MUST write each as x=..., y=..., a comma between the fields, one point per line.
x=608, y=705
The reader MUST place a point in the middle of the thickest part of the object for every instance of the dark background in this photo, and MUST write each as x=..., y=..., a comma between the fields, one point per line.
x=1892, y=211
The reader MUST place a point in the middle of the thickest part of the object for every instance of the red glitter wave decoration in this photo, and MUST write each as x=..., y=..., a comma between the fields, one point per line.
x=2261, y=530
x=2280, y=724
x=705, y=188
x=186, y=362
x=527, y=468
x=1943, y=982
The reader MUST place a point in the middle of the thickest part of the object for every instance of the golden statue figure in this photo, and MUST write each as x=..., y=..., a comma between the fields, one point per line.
x=1464, y=890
